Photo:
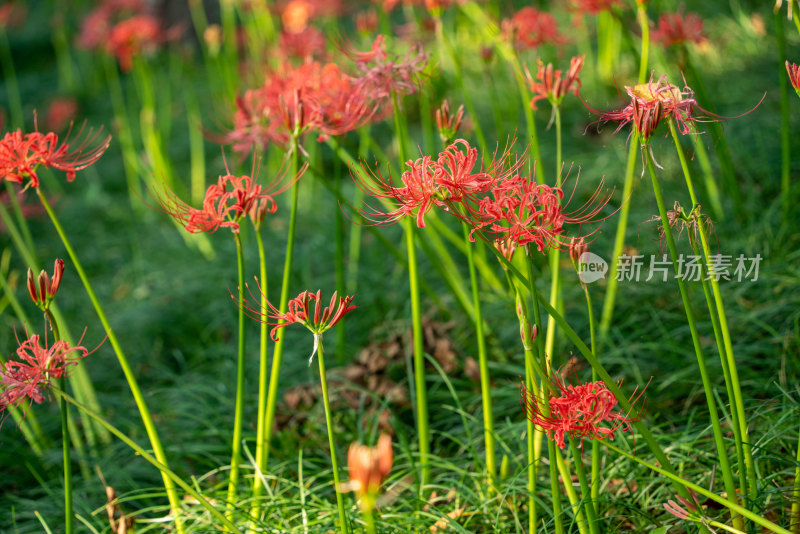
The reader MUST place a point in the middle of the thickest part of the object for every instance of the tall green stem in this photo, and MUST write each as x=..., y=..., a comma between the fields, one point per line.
x=343, y=526
x=785, y=135
x=161, y=466
x=486, y=396
x=416, y=318
x=144, y=412
x=644, y=26
x=730, y=488
x=238, y=416
x=69, y=518
x=263, y=373
x=555, y=253
x=277, y=351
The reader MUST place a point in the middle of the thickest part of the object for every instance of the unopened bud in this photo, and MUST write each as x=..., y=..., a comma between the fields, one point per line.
x=47, y=287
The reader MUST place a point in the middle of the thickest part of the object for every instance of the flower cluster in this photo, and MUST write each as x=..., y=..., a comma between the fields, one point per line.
x=530, y=28
x=675, y=28
x=37, y=366
x=124, y=29
x=21, y=154
x=450, y=178
x=500, y=204
x=226, y=202
x=551, y=85
x=578, y=411
x=321, y=97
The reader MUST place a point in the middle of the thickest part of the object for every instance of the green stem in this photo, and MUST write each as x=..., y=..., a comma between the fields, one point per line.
x=277, y=351
x=69, y=514
x=795, y=515
x=610, y=383
x=644, y=26
x=343, y=526
x=165, y=470
x=716, y=309
x=144, y=412
x=12, y=85
x=486, y=397
x=730, y=488
x=263, y=373
x=416, y=318
x=780, y=36
x=445, y=40
x=369, y=521
x=594, y=494
x=730, y=505
x=588, y=502
x=555, y=254
x=236, y=446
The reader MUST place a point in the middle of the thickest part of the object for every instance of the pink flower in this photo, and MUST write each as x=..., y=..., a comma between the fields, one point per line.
x=27, y=378
x=21, y=154
x=551, y=85
x=578, y=411
x=675, y=28
x=530, y=28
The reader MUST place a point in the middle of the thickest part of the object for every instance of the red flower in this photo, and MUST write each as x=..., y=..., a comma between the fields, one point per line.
x=580, y=411
x=369, y=467
x=97, y=25
x=518, y=211
x=37, y=366
x=551, y=85
x=654, y=101
x=674, y=28
x=594, y=7
x=133, y=36
x=295, y=100
x=226, y=202
x=47, y=287
x=427, y=183
x=794, y=76
x=529, y=28
x=21, y=154
x=381, y=74
x=447, y=124
x=321, y=321
x=60, y=113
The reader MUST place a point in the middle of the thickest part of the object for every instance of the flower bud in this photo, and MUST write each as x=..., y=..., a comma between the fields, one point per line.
x=369, y=467
x=47, y=287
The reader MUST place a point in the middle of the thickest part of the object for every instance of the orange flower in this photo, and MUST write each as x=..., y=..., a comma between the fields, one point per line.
x=369, y=467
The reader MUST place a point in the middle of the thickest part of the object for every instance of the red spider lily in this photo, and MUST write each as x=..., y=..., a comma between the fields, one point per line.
x=98, y=24
x=381, y=74
x=133, y=36
x=298, y=312
x=227, y=201
x=37, y=366
x=529, y=28
x=304, y=45
x=654, y=101
x=578, y=411
x=21, y=154
x=518, y=211
x=448, y=124
x=551, y=85
x=295, y=100
x=675, y=28
x=794, y=76
x=61, y=112
x=594, y=7
x=47, y=287
x=427, y=183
